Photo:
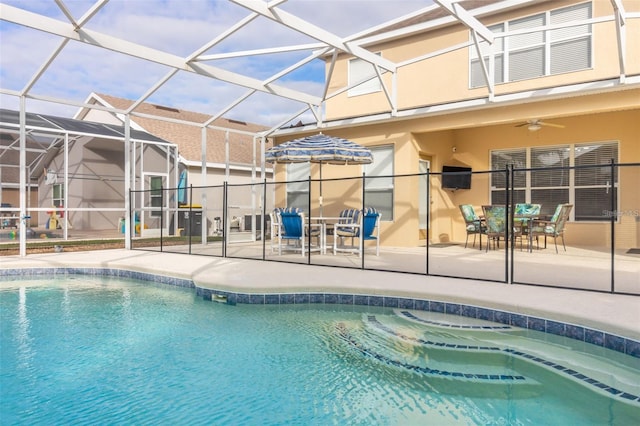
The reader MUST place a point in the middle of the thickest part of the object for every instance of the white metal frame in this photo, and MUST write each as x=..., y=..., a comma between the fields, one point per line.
x=327, y=45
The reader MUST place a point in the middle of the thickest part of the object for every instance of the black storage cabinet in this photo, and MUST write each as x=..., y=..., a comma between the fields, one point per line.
x=190, y=222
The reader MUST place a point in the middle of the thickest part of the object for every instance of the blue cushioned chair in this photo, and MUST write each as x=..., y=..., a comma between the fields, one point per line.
x=354, y=224
x=294, y=230
x=276, y=226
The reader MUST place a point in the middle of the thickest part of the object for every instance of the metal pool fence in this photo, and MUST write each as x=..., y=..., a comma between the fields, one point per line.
x=422, y=229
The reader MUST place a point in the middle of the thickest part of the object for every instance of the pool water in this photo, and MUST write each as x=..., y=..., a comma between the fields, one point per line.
x=96, y=350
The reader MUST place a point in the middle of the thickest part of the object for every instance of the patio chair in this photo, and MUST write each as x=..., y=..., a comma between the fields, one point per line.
x=474, y=224
x=350, y=225
x=553, y=227
x=293, y=229
x=525, y=210
x=276, y=225
x=275, y=228
x=524, y=214
x=496, y=221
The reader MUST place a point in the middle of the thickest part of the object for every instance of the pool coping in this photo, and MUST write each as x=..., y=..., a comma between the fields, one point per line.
x=602, y=338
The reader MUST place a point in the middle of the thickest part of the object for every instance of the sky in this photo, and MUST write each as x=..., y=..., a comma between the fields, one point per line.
x=179, y=27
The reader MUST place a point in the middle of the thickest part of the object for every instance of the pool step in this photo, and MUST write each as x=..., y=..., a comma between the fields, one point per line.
x=597, y=368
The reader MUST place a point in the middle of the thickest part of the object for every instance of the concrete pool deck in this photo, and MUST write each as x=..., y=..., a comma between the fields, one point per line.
x=613, y=313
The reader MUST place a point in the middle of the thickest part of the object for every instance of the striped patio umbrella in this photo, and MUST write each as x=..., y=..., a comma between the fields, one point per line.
x=322, y=149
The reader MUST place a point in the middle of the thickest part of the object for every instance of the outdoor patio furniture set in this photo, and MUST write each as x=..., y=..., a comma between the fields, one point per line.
x=291, y=230
x=527, y=222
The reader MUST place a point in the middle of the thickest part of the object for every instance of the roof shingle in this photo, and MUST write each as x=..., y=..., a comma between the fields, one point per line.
x=188, y=137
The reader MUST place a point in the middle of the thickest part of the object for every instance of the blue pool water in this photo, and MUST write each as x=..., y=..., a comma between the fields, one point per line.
x=95, y=350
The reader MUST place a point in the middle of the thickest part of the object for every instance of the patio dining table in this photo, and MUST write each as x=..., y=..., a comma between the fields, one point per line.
x=326, y=223
x=528, y=219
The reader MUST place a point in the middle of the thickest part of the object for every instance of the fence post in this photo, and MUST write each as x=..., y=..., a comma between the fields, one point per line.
x=161, y=215
x=428, y=210
x=509, y=231
x=129, y=225
x=309, y=219
x=264, y=220
x=614, y=218
x=364, y=182
x=224, y=218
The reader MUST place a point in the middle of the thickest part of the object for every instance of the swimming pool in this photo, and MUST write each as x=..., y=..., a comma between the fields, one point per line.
x=95, y=350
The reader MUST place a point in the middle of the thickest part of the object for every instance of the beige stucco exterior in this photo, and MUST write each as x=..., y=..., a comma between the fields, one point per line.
x=608, y=115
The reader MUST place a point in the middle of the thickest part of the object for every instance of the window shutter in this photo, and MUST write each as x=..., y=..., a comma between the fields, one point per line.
x=298, y=192
x=550, y=187
x=570, y=55
x=570, y=46
x=501, y=159
x=379, y=181
x=568, y=14
x=360, y=70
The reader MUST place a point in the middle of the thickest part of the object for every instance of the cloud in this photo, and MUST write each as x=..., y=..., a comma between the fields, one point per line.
x=179, y=28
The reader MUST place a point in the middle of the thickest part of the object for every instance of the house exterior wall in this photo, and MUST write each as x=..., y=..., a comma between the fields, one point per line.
x=472, y=148
x=621, y=127
x=96, y=180
x=612, y=115
x=445, y=77
x=12, y=196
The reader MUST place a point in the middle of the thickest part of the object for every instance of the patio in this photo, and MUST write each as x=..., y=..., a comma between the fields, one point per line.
x=577, y=268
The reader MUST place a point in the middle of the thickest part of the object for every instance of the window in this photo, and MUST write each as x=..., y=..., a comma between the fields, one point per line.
x=298, y=192
x=527, y=55
x=57, y=198
x=500, y=160
x=549, y=181
x=493, y=61
x=360, y=70
x=155, y=195
x=595, y=184
x=378, y=183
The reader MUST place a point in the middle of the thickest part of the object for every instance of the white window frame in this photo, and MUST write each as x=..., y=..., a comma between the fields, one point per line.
x=502, y=46
x=358, y=70
x=57, y=201
x=152, y=196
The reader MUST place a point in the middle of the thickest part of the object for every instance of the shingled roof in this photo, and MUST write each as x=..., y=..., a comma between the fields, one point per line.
x=188, y=137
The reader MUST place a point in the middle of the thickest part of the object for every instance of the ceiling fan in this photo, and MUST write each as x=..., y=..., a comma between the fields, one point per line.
x=535, y=125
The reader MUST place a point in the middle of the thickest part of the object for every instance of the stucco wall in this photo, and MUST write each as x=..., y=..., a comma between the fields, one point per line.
x=444, y=77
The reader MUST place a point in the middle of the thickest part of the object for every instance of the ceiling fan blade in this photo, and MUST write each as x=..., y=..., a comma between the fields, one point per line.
x=557, y=126
x=522, y=125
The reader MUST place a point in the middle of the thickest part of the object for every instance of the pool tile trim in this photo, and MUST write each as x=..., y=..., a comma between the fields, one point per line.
x=574, y=331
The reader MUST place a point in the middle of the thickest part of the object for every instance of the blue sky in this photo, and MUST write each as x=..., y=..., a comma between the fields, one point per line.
x=179, y=28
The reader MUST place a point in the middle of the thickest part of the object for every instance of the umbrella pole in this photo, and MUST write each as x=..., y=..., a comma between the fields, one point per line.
x=321, y=189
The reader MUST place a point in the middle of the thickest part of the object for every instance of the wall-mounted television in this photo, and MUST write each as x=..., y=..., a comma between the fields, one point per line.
x=455, y=177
